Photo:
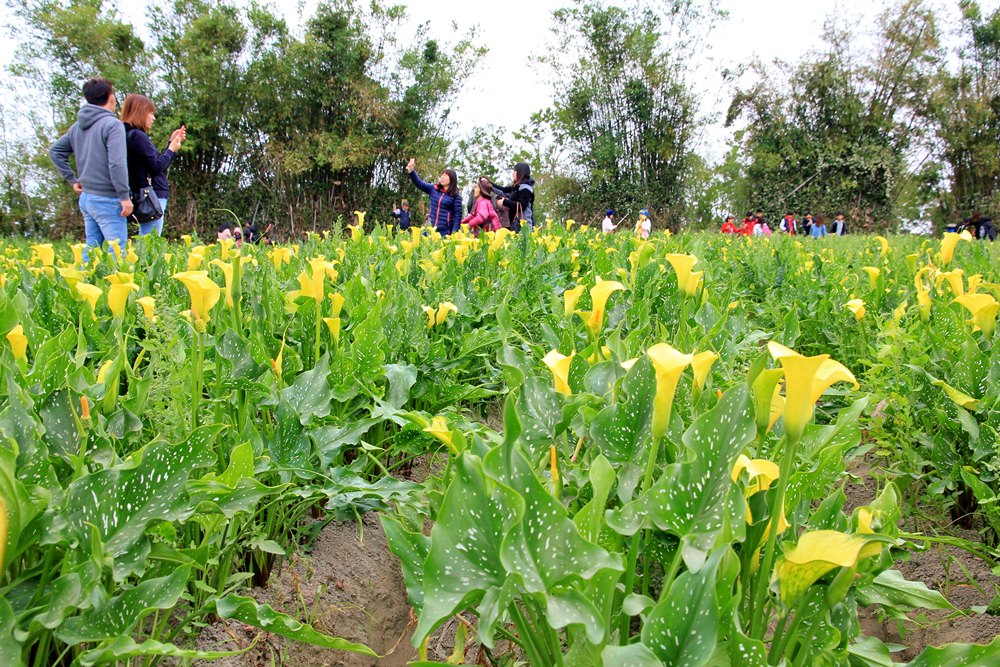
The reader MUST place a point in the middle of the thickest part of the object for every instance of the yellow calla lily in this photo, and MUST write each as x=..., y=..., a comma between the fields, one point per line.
x=90, y=294
x=204, y=292
x=439, y=429
x=361, y=218
x=570, y=298
x=461, y=253
x=856, y=306
x=443, y=310
x=768, y=400
x=899, y=313
x=873, y=276
x=883, y=244
x=18, y=342
x=148, y=304
x=281, y=255
x=431, y=314
x=599, y=295
x=806, y=378
x=948, y=244
x=102, y=374
x=761, y=472
x=668, y=363
x=957, y=396
x=187, y=239
x=984, y=309
x=560, y=364
x=44, y=253
x=131, y=257
x=195, y=259
x=701, y=364
x=954, y=279
x=227, y=273
x=71, y=275
x=78, y=249
x=118, y=297
x=975, y=280
x=817, y=553
x=337, y=300
x=333, y=324
x=687, y=279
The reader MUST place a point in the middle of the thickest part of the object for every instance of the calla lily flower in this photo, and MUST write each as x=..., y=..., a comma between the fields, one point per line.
x=195, y=259
x=333, y=324
x=44, y=253
x=701, y=364
x=570, y=299
x=599, y=295
x=687, y=280
x=227, y=273
x=948, y=244
x=761, y=474
x=856, y=306
x=884, y=245
x=131, y=257
x=361, y=218
x=560, y=364
x=148, y=304
x=281, y=255
x=806, y=378
x=187, y=239
x=337, y=300
x=975, y=280
x=984, y=309
x=439, y=429
x=954, y=279
x=78, y=249
x=923, y=293
x=71, y=275
x=873, y=276
x=118, y=297
x=900, y=312
x=18, y=341
x=668, y=363
x=204, y=292
x=90, y=294
x=461, y=253
x=102, y=374
x=443, y=310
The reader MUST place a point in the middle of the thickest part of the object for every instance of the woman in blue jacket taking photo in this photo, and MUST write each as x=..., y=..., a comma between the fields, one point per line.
x=446, y=201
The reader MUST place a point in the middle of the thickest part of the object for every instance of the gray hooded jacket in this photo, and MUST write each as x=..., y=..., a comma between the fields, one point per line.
x=97, y=138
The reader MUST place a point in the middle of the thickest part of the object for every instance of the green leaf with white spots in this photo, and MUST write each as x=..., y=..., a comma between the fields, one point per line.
x=463, y=566
x=121, y=614
x=960, y=655
x=684, y=627
x=10, y=647
x=696, y=499
x=590, y=518
x=249, y=611
x=633, y=655
x=309, y=393
x=621, y=429
x=124, y=648
x=411, y=549
x=122, y=501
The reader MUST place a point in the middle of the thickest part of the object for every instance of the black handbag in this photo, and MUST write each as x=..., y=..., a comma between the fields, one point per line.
x=146, y=205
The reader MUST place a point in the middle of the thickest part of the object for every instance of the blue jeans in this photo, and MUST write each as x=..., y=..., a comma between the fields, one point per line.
x=148, y=227
x=103, y=221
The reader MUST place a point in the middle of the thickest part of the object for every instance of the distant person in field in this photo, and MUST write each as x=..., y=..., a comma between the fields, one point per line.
x=789, y=225
x=446, y=200
x=519, y=197
x=839, y=226
x=982, y=227
x=817, y=229
x=483, y=215
x=807, y=222
x=97, y=139
x=749, y=222
x=608, y=226
x=402, y=214
x=643, y=226
x=146, y=165
x=729, y=225
x=760, y=227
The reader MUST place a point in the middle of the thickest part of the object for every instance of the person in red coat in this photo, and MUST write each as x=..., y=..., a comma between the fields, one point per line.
x=729, y=226
x=748, y=224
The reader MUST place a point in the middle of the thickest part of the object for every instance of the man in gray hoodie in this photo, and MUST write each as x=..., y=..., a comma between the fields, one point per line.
x=97, y=138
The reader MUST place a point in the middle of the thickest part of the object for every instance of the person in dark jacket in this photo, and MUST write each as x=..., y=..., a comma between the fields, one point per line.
x=520, y=197
x=97, y=139
x=446, y=200
x=146, y=165
x=402, y=214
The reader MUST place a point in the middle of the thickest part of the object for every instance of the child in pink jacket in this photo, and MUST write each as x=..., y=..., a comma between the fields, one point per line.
x=483, y=214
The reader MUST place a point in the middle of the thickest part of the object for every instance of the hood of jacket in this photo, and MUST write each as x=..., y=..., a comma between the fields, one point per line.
x=91, y=114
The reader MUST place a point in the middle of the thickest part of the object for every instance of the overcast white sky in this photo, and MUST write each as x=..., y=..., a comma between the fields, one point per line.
x=769, y=29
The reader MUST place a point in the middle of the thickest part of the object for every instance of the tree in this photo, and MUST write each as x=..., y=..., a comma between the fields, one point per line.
x=835, y=137
x=623, y=105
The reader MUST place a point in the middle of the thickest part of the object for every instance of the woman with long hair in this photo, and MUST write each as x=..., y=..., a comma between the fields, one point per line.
x=520, y=197
x=446, y=200
x=483, y=215
x=146, y=165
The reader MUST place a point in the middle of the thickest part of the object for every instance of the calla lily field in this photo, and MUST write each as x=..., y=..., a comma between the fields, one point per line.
x=663, y=482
